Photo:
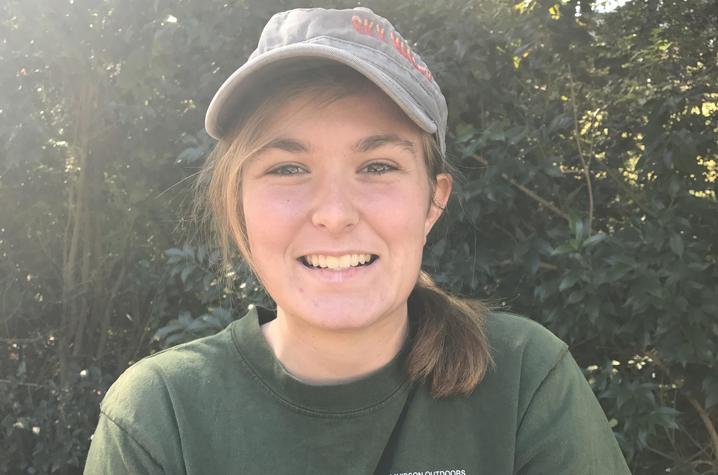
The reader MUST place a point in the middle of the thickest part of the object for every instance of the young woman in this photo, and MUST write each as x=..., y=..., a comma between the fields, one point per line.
x=328, y=175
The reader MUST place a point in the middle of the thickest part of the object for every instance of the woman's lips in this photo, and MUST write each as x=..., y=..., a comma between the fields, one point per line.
x=340, y=274
x=337, y=262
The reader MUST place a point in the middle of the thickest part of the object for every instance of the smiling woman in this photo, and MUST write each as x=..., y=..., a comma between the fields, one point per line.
x=328, y=175
x=328, y=161
x=360, y=188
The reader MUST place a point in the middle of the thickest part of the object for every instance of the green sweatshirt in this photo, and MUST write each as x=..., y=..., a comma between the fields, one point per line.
x=225, y=405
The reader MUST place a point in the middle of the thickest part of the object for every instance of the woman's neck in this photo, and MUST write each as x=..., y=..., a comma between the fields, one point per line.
x=324, y=356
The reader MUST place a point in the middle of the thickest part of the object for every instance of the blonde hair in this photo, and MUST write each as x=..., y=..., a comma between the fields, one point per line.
x=449, y=349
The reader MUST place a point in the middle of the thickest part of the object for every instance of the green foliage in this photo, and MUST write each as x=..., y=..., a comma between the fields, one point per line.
x=46, y=427
x=586, y=142
x=197, y=271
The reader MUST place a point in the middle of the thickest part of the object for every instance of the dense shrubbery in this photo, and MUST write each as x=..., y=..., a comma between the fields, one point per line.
x=586, y=143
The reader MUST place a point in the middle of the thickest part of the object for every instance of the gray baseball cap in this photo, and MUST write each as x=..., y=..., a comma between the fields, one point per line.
x=356, y=37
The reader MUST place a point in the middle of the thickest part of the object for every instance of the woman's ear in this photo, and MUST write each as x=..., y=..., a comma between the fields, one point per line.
x=442, y=191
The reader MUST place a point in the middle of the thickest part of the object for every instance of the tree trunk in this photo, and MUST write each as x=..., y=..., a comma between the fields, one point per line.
x=81, y=256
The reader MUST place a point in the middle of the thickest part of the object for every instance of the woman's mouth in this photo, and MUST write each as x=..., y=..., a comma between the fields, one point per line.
x=346, y=261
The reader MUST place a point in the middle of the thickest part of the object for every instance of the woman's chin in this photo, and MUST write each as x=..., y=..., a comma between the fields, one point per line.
x=342, y=315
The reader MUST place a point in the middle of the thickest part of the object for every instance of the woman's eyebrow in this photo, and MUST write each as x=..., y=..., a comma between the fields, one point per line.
x=364, y=145
x=372, y=142
x=287, y=144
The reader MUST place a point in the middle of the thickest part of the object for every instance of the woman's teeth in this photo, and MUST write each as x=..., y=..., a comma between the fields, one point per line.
x=337, y=262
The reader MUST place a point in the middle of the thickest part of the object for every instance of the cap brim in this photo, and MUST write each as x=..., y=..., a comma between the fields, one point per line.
x=223, y=107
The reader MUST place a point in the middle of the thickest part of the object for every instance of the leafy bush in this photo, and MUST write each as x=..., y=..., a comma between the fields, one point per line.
x=197, y=270
x=586, y=142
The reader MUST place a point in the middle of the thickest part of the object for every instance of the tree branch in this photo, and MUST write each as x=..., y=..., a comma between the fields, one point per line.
x=702, y=413
x=585, y=163
x=530, y=193
x=705, y=418
x=19, y=383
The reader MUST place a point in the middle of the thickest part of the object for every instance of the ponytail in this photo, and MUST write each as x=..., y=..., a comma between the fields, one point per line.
x=449, y=351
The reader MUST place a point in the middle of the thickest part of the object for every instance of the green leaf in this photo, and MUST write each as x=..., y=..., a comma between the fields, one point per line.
x=174, y=252
x=676, y=244
x=166, y=330
x=186, y=271
x=595, y=239
x=465, y=132
x=665, y=417
x=569, y=280
x=578, y=226
x=562, y=121
x=565, y=248
x=575, y=297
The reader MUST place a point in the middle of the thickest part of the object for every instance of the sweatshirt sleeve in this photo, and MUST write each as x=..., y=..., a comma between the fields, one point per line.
x=114, y=451
x=564, y=430
x=137, y=432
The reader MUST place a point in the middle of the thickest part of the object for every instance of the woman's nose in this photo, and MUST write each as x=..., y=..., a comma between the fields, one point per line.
x=334, y=209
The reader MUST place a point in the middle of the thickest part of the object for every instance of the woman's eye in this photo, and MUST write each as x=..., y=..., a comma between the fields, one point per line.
x=287, y=170
x=379, y=168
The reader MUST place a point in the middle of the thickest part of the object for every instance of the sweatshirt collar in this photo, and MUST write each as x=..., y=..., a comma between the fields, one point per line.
x=358, y=396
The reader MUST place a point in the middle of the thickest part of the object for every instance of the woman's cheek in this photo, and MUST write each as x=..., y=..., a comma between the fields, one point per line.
x=279, y=202
x=270, y=215
x=403, y=206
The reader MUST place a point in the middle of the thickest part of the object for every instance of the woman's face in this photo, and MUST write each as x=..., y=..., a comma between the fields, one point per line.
x=337, y=209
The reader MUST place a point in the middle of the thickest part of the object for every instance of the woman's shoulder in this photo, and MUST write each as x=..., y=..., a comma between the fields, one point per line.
x=556, y=413
x=522, y=348
x=154, y=378
x=510, y=332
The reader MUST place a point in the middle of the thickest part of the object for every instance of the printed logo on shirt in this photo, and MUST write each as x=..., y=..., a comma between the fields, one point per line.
x=432, y=472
